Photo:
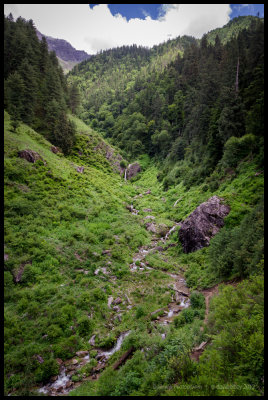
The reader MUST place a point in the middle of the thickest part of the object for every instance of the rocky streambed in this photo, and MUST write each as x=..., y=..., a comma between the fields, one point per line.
x=62, y=384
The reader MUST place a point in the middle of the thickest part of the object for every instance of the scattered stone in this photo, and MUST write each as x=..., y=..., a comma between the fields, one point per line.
x=151, y=227
x=82, y=353
x=39, y=358
x=108, y=252
x=55, y=149
x=119, y=317
x=110, y=300
x=29, y=155
x=159, y=248
x=78, y=257
x=92, y=340
x=202, y=224
x=149, y=217
x=147, y=210
x=148, y=192
x=75, y=361
x=59, y=361
x=118, y=300
x=116, y=308
x=80, y=169
x=128, y=300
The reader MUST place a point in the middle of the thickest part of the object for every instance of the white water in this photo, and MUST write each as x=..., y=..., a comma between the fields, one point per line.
x=170, y=231
x=60, y=382
x=117, y=346
x=63, y=379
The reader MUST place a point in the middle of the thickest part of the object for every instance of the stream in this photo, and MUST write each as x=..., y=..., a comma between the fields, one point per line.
x=63, y=382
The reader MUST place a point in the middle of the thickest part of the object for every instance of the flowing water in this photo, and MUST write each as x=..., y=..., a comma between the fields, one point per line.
x=62, y=384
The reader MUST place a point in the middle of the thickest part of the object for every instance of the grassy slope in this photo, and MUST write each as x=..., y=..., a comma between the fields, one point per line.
x=58, y=221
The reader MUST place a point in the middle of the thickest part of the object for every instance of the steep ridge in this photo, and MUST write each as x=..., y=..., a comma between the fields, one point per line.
x=67, y=55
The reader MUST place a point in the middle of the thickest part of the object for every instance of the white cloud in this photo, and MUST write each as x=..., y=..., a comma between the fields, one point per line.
x=95, y=29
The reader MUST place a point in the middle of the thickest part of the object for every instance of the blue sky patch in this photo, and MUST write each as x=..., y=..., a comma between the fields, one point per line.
x=155, y=11
x=247, y=9
x=140, y=11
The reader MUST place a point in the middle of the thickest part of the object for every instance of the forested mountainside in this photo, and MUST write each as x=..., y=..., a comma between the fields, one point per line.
x=133, y=241
x=67, y=55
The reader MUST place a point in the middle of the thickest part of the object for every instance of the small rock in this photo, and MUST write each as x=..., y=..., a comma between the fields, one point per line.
x=82, y=353
x=148, y=192
x=80, y=169
x=119, y=317
x=116, y=308
x=108, y=252
x=74, y=361
x=118, y=300
x=92, y=340
x=55, y=149
x=149, y=217
x=29, y=155
x=147, y=210
x=59, y=361
x=39, y=358
x=159, y=248
x=110, y=300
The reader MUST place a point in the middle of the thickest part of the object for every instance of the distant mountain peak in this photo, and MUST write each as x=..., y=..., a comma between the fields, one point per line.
x=68, y=56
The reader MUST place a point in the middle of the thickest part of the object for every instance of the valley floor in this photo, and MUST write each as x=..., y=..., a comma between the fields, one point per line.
x=98, y=289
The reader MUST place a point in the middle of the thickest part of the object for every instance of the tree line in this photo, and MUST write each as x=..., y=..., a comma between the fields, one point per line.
x=36, y=90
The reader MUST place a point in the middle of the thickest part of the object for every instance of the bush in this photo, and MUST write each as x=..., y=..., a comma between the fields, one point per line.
x=235, y=149
x=47, y=369
x=197, y=300
x=85, y=326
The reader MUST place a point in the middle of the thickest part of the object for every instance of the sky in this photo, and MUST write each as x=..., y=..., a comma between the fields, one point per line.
x=95, y=27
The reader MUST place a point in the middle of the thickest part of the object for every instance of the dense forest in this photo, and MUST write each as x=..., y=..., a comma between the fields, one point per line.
x=101, y=297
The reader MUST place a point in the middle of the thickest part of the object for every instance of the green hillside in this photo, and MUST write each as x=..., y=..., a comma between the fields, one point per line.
x=100, y=296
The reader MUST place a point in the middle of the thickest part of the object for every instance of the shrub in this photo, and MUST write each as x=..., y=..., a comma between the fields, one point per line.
x=47, y=369
x=235, y=149
x=197, y=300
x=85, y=326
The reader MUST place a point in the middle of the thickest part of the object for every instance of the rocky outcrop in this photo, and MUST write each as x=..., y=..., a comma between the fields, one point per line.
x=207, y=219
x=29, y=155
x=133, y=170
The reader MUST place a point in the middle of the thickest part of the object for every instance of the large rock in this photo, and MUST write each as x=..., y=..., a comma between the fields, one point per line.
x=207, y=219
x=133, y=170
x=29, y=155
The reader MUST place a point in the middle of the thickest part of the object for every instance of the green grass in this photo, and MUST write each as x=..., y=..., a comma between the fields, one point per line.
x=58, y=224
